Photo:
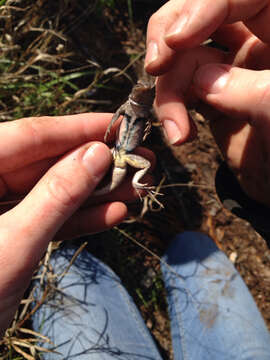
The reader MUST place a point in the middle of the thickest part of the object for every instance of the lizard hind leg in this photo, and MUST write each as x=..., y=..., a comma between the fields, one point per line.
x=139, y=162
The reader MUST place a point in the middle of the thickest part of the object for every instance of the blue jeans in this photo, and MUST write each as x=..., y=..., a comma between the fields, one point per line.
x=213, y=315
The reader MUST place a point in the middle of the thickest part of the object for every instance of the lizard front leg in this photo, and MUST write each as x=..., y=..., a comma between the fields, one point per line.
x=118, y=113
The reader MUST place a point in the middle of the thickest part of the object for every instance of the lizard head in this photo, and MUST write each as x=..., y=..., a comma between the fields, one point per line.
x=143, y=93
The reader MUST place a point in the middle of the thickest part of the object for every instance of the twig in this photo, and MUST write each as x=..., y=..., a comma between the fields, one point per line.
x=72, y=261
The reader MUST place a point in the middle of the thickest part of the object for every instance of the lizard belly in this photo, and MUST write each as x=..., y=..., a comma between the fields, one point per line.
x=130, y=133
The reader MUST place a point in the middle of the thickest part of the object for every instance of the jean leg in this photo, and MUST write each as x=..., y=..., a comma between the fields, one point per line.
x=91, y=316
x=213, y=315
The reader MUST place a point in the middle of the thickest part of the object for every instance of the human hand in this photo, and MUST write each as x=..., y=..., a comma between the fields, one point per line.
x=57, y=163
x=235, y=82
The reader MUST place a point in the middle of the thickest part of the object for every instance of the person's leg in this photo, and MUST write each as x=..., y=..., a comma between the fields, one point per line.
x=91, y=316
x=213, y=315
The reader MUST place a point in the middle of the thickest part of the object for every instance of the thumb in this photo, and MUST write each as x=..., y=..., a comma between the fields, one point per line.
x=241, y=93
x=33, y=223
x=243, y=131
x=27, y=229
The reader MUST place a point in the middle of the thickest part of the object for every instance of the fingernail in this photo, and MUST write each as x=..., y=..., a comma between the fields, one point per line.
x=177, y=27
x=151, y=53
x=97, y=160
x=171, y=131
x=212, y=78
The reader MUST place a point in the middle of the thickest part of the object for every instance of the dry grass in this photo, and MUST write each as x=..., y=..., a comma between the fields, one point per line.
x=20, y=341
x=41, y=72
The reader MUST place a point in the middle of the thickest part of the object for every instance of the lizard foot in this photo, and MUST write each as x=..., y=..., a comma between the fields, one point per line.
x=150, y=199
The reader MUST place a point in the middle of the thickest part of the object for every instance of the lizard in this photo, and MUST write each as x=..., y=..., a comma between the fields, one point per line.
x=132, y=131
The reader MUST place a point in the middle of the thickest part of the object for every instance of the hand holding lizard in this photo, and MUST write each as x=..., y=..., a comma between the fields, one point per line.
x=234, y=82
x=57, y=162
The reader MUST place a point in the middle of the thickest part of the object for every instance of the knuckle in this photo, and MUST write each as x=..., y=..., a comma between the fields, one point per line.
x=153, y=20
x=263, y=91
x=150, y=27
x=32, y=128
x=61, y=192
x=156, y=21
x=32, y=123
x=163, y=18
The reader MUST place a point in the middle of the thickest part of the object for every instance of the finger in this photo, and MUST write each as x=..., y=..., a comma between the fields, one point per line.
x=27, y=229
x=258, y=22
x=124, y=193
x=235, y=91
x=34, y=222
x=33, y=139
x=21, y=181
x=232, y=36
x=171, y=110
x=243, y=135
x=199, y=19
x=92, y=220
x=246, y=50
x=159, y=56
x=173, y=92
x=185, y=24
x=253, y=54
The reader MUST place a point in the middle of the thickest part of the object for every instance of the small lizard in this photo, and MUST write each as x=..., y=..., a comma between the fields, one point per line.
x=132, y=131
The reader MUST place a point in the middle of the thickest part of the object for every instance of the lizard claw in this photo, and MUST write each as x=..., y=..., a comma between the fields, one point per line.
x=149, y=200
x=140, y=186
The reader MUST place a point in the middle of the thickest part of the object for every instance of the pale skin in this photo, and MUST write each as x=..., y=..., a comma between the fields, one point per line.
x=235, y=83
x=54, y=164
